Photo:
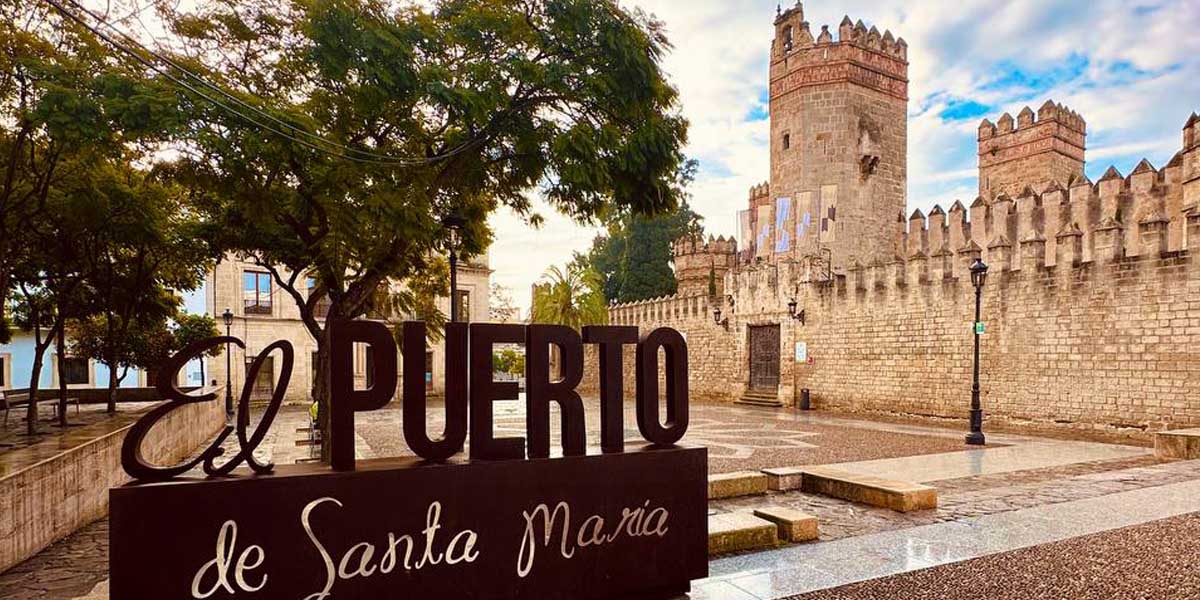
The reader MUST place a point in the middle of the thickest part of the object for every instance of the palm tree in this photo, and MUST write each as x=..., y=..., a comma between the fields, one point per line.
x=573, y=297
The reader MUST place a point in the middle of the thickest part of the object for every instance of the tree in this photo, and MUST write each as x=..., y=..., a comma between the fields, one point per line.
x=571, y=297
x=68, y=110
x=188, y=329
x=634, y=258
x=509, y=361
x=386, y=119
x=146, y=246
x=500, y=304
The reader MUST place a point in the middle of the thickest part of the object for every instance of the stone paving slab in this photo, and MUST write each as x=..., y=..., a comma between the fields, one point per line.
x=901, y=496
x=793, y=525
x=798, y=569
x=1034, y=454
x=737, y=532
x=1179, y=444
x=738, y=483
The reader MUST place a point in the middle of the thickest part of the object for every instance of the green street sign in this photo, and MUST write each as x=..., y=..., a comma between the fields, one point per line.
x=979, y=328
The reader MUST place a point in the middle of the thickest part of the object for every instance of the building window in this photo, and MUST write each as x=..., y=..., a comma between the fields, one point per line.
x=789, y=38
x=463, y=298
x=787, y=141
x=256, y=293
x=321, y=309
x=75, y=371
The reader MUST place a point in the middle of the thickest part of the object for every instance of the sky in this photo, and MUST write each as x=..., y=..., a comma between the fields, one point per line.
x=1130, y=67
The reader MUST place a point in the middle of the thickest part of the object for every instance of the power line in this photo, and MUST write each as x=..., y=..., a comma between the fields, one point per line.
x=256, y=109
x=367, y=157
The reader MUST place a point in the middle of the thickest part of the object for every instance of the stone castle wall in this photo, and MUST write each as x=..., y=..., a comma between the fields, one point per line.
x=1092, y=315
x=1092, y=307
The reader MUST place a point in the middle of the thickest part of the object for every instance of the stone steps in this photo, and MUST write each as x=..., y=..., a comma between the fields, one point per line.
x=766, y=527
x=760, y=399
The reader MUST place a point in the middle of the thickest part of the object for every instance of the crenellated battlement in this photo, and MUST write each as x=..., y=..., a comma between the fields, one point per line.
x=859, y=55
x=700, y=266
x=760, y=192
x=1142, y=214
x=794, y=34
x=1031, y=150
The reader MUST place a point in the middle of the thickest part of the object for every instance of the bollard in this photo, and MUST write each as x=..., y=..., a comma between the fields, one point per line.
x=805, y=402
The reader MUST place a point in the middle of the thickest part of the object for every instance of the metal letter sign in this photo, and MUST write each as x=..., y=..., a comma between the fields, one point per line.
x=621, y=523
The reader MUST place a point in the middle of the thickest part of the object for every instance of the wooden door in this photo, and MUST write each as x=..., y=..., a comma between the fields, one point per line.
x=264, y=384
x=764, y=358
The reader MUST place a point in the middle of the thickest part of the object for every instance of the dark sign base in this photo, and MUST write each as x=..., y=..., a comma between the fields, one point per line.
x=631, y=526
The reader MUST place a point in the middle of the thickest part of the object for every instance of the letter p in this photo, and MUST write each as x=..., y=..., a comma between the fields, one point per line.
x=344, y=399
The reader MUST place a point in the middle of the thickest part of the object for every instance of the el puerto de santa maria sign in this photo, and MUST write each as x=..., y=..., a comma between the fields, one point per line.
x=507, y=521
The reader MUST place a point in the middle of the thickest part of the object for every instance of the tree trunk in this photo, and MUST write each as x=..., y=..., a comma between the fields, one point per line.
x=112, y=386
x=62, y=381
x=35, y=379
x=112, y=365
x=321, y=394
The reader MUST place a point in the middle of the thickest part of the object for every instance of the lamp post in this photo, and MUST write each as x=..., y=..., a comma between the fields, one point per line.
x=978, y=278
x=227, y=318
x=454, y=224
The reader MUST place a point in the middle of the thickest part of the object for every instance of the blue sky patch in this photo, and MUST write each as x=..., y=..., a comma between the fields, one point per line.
x=1012, y=75
x=958, y=109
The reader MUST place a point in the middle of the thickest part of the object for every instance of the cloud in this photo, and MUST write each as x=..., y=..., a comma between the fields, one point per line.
x=1130, y=67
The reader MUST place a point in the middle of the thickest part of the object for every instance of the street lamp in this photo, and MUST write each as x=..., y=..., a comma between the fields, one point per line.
x=227, y=318
x=717, y=318
x=454, y=224
x=792, y=310
x=978, y=278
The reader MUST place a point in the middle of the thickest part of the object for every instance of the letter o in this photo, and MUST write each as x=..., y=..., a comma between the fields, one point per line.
x=675, y=348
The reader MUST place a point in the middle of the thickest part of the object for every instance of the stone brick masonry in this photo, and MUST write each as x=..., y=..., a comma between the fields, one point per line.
x=1092, y=306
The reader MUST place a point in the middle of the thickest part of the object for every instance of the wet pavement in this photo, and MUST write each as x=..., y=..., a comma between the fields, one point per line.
x=1154, y=560
x=738, y=438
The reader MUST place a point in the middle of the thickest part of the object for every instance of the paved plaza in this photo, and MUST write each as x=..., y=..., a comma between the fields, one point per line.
x=1019, y=492
x=737, y=438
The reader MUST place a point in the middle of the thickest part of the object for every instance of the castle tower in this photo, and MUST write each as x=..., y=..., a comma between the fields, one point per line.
x=839, y=137
x=1031, y=151
x=1190, y=157
x=700, y=266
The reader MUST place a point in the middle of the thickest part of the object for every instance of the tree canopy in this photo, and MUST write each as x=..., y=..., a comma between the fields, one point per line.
x=570, y=297
x=633, y=258
x=351, y=128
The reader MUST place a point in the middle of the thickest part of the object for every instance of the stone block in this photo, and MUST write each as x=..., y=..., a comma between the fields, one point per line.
x=887, y=493
x=792, y=525
x=782, y=479
x=740, y=483
x=1179, y=444
x=734, y=532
